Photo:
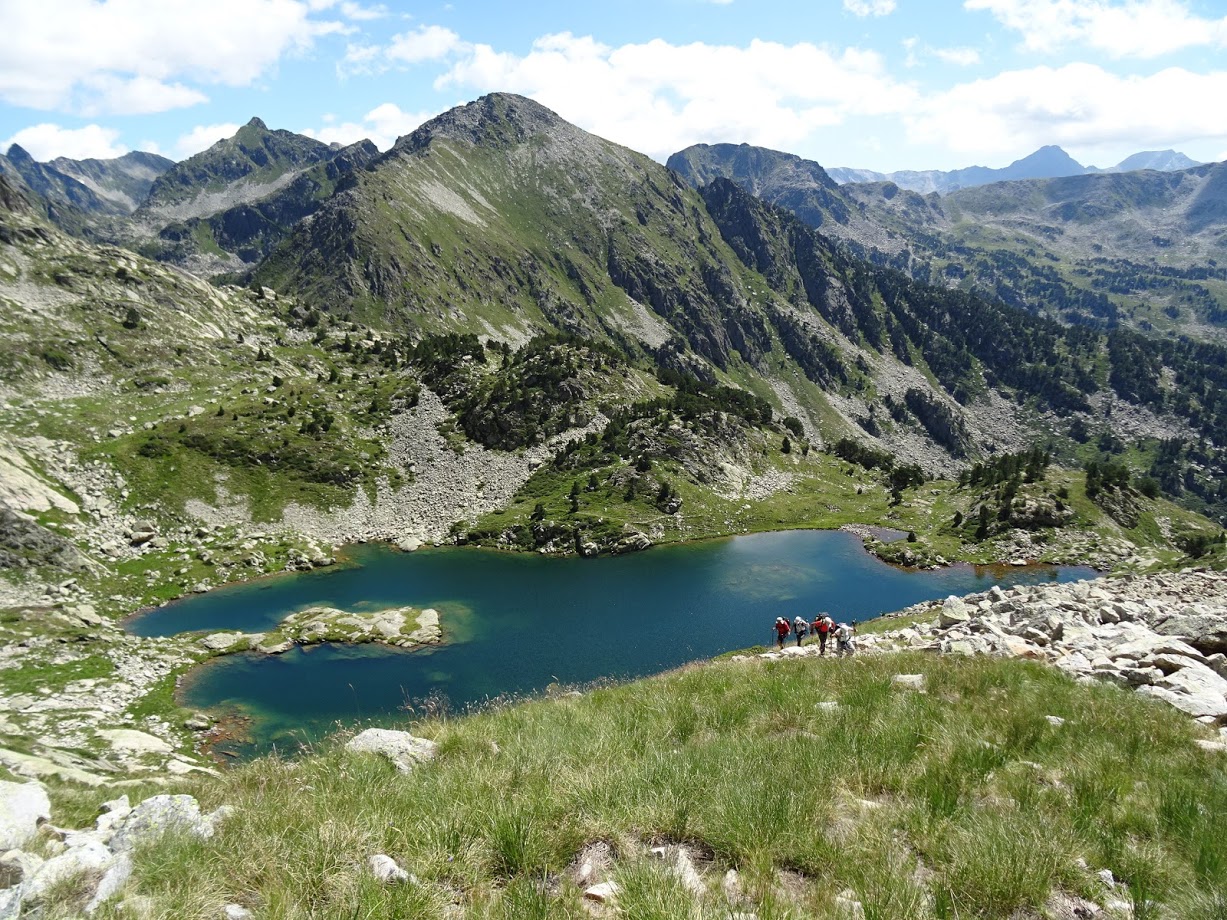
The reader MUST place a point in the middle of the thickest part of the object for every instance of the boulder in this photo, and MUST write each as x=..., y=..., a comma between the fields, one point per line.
x=219, y=642
x=909, y=681
x=160, y=815
x=23, y=806
x=385, y=869
x=1200, y=683
x=1201, y=627
x=954, y=612
x=403, y=749
x=1194, y=705
x=88, y=856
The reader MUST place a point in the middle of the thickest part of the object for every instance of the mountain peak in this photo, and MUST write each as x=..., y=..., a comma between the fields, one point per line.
x=1048, y=158
x=1164, y=160
x=256, y=123
x=502, y=119
x=17, y=153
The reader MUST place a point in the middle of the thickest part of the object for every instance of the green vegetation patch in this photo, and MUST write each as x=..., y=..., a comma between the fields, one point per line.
x=961, y=801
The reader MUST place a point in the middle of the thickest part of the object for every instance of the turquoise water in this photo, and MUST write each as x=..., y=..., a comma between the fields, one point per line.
x=515, y=623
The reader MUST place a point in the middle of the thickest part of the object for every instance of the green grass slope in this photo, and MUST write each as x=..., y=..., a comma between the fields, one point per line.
x=814, y=780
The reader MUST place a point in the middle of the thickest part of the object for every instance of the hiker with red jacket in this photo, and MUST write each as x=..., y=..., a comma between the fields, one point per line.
x=823, y=626
x=781, y=631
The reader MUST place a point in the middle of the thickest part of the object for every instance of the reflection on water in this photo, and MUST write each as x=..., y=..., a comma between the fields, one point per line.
x=515, y=624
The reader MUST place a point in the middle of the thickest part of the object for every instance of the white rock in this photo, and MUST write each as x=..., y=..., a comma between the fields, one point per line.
x=236, y=912
x=1054, y=720
x=1215, y=747
x=91, y=856
x=385, y=869
x=909, y=681
x=22, y=807
x=603, y=893
x=1201, y=705
x=403, y=749
x=136, y=742
x=220, y=641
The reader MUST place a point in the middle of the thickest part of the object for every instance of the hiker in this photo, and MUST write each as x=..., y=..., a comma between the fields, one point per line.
x=781, y=631
x=800, y=627
x=822, y=626
x=845, y=634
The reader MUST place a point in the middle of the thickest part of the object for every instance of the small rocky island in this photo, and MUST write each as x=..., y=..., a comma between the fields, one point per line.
x=401, y=627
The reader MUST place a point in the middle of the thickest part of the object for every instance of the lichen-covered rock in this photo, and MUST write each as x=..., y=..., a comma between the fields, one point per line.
x=403, y=749
x=160, y=815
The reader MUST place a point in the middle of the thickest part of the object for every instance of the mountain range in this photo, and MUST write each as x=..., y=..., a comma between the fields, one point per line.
x=728, y=328
x=1049, y=162
x=1140, y=248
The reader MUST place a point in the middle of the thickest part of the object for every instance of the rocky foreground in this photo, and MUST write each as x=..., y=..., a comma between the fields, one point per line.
x=1162, y=635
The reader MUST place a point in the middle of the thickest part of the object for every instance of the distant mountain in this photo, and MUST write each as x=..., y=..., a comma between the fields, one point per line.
x=250, y=231
x=229, y=205
x=1085, y=248
x=1161, y=160
x=1044, y=163
x=244, y=168
x=800, y=185
x=56, y=187
x=123, y=181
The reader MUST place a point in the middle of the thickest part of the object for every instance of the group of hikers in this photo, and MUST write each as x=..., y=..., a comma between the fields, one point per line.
x=823, y=627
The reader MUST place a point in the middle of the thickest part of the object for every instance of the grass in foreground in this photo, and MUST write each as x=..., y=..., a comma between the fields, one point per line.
x=963, y=801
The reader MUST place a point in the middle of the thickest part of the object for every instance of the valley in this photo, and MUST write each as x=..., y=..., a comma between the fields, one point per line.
x=505, y=332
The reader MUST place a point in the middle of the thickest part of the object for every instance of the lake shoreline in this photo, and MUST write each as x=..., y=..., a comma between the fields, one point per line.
x=518, y=622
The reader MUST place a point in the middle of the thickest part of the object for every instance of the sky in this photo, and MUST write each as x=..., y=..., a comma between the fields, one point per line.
x=875, y=84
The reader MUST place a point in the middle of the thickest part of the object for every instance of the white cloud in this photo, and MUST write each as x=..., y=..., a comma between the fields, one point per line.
x=47, y=141
x=1134, y=28
x=202, y=137
x=361, y=13
x=658, y=97
x=129, y=56
x=382, y=125
x=109, y=94
x=349, y=9
x=870, y=7
x=960, y=57
x=1078, y=105
x=426, y=43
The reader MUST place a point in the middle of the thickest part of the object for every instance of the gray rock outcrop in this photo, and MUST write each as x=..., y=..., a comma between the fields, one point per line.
x=403, y=749
x=1161, y=635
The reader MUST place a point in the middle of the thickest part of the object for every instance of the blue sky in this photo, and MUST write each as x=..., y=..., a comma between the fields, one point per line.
x=880, y=84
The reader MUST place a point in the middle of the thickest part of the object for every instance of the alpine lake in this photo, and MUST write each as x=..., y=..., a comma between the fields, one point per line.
x=518, y=625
